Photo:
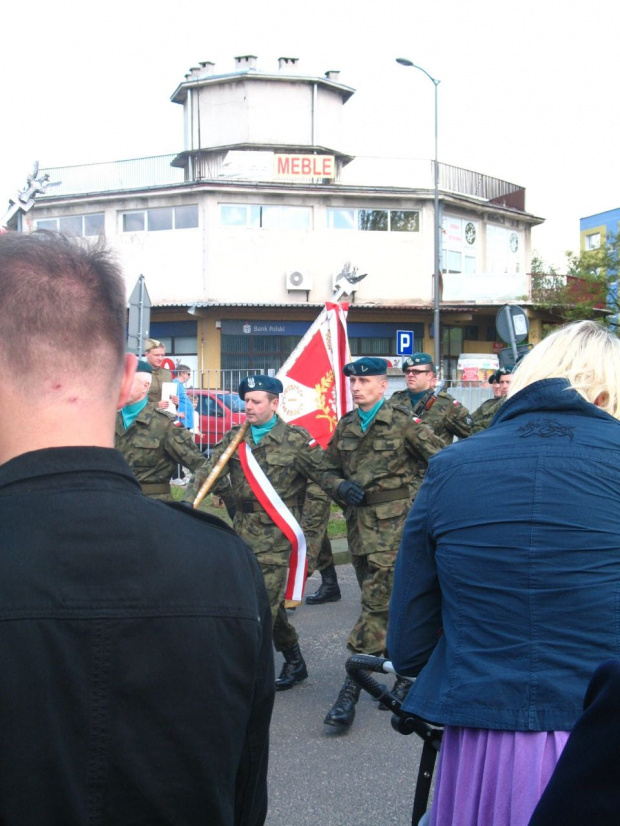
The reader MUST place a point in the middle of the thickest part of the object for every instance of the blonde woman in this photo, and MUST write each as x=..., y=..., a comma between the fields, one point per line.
x=506, y=591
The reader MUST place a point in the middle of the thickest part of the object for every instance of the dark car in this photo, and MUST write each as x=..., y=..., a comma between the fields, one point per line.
x=218, y=411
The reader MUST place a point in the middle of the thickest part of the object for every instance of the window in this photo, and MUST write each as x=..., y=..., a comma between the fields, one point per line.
x=267, y=216
x=593, y=241
x=374, y=220
x=371, y=346
x=252, y=352
x=158, y=219
x=81, y=225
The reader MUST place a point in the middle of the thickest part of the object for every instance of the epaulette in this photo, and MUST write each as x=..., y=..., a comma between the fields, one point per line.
x=166, y=412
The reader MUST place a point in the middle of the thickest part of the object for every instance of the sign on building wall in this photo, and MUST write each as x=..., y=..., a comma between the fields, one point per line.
x=303, y=167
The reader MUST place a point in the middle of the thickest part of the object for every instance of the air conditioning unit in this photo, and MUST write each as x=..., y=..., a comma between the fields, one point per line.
x=296, y=280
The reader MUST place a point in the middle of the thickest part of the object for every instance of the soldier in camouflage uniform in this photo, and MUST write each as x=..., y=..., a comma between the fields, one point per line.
x=445, y=415
x=154, y=354
x=150, y=442
x=289, y=457
x=381, y=453
x=483, y=415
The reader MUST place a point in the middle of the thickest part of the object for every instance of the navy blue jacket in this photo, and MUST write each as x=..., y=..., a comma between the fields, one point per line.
x=507, y=585
x=585, y=786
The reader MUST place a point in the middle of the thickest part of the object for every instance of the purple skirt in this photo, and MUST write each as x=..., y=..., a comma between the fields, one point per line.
x=492, y=778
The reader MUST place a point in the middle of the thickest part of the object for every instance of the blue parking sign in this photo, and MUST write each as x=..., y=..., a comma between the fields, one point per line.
x=404, y=342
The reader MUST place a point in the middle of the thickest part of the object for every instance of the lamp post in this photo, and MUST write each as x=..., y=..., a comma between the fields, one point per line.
x=437, y=274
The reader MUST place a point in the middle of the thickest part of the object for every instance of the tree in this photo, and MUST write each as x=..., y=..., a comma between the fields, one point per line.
x=588, y=289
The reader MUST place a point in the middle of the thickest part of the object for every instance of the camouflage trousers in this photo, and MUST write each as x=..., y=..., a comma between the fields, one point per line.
x=324, y=559
x=284, y=635
x=375, y=575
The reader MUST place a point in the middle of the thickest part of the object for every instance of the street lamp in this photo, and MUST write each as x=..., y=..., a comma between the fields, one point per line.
x=437, y=275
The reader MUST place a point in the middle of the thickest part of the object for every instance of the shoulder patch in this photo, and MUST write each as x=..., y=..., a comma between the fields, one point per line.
x=417, y=419
x=456, y=402
x=313, y=443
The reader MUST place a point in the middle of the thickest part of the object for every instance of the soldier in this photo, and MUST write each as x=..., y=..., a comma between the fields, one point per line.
x=149, y=440
x=289, y=457
x=374, y=464
x=445, y=415
x=154, y=354
x=483, y=415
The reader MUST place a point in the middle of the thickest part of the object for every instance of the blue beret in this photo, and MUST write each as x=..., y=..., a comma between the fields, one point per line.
x=366, y=366
x=266, y=383
x=144, y=367
x=418, y=358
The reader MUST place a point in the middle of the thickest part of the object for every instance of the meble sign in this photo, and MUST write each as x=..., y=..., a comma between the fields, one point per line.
x=302, y=167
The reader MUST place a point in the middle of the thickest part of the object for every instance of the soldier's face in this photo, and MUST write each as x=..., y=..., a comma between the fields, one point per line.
x=259, y=407
x=504, y=384
x=367, y=390
x=139, y=388
x=419, y=379
x=156, y=356
x=497, y=390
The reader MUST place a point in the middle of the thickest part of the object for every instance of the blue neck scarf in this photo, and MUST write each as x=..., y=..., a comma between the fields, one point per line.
x=130, y=412
x=366, y=416
x=260, y=430
x=416, y=397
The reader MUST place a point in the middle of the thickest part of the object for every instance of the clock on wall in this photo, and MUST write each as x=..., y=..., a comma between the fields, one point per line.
x=514, y=242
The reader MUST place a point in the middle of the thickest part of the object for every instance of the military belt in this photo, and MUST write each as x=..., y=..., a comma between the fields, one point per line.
x=382, y=496
x=252, y=506
x=149, y=490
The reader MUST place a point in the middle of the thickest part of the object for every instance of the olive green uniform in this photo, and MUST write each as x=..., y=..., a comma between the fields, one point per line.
x=388, y=461
x=290, y=458
x=483, y=415
x=153, y=447
x=159, y=376
x=446, y=417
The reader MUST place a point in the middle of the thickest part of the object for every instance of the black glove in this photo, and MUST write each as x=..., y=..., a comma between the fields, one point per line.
x=351, y=492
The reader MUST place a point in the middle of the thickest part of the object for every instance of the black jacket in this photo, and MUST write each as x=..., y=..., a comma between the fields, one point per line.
x=136, y=665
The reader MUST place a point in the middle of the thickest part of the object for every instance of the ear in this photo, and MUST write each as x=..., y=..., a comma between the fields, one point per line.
x=602, y=399
x=129, y=371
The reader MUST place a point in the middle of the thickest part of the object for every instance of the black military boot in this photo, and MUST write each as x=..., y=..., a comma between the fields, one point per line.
x=329, y=590
x=293, y=671
x=400, y=689
x=342, y=712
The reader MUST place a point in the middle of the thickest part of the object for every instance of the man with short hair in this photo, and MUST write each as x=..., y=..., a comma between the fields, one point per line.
x=445, y=415
x=137, y=676
x=374, y=464
x=154, y=354
x=289, y=458
x=185, y=409
x=151, y=442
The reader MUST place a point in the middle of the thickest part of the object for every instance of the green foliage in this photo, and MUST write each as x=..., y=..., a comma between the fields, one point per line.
x=588, y=289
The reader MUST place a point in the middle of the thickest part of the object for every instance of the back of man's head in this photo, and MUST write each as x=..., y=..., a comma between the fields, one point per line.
x=63, y=310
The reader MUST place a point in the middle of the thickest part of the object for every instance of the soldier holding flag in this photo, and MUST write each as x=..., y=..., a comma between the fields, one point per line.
x=276, y=509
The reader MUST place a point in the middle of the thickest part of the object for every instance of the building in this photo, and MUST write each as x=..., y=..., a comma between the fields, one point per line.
x=597, y=231
x=244, y=234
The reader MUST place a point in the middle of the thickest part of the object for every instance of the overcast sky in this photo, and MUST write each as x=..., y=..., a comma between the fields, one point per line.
x=528, y=92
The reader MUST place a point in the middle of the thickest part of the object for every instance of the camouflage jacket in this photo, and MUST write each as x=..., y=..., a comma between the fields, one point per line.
x=153, y=446
x=446, y=417
x=290, y=457
x=483, y=415
x=158, y=378
x=391, y=456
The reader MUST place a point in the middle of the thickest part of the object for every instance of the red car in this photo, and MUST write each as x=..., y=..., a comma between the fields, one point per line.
x=218, y=411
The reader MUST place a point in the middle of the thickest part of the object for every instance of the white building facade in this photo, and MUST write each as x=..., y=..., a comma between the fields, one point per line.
x=243, y=235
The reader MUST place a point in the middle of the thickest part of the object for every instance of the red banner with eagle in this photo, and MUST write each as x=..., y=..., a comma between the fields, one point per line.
x=316, y=394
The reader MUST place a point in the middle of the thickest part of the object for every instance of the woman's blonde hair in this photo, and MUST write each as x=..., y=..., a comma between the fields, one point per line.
x=585, y=353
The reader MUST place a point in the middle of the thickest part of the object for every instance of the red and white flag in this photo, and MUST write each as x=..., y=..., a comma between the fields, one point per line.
x=316, y=394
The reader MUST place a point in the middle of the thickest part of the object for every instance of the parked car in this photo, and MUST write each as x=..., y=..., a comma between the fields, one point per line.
x=218, y=411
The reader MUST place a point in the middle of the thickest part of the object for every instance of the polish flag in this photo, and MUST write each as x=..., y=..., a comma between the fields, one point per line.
x=316, y=394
